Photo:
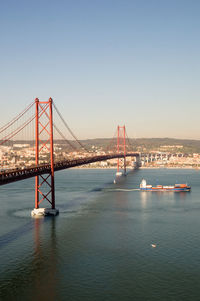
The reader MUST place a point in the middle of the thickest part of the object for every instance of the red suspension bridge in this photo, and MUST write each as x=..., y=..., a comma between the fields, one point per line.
x=36, y=121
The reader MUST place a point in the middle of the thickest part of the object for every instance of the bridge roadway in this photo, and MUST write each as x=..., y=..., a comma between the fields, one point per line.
x=14, y=175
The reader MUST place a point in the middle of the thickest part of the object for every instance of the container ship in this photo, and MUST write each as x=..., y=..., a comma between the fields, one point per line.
x=176, y=187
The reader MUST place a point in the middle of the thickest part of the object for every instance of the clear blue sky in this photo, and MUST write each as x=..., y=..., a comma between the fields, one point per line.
x=104, y=63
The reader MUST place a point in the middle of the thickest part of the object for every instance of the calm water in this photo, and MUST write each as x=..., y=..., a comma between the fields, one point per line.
x=99, y=247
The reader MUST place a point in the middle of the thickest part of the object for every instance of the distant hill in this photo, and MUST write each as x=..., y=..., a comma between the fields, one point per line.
x=150, y=144
x=180, y=145
x=140, y=144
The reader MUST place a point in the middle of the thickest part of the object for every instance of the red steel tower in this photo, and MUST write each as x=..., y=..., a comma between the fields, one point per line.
x=44, y=184
x=121, y=146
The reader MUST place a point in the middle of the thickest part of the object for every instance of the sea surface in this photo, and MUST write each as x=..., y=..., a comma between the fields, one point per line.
x=99, y=247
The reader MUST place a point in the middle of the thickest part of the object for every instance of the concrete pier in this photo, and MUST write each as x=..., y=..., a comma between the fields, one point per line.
x=44, y=212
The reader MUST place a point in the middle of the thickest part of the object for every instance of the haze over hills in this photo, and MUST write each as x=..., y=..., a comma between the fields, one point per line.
x=172, y=145
x=154, y=144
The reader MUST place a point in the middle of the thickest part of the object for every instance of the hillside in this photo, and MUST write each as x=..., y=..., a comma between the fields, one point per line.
x=172, y=145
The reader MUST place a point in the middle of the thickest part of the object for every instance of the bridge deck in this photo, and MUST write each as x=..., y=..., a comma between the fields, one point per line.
x=25, y=173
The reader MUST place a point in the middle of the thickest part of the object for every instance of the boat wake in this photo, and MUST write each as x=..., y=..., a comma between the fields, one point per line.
x=121, y=189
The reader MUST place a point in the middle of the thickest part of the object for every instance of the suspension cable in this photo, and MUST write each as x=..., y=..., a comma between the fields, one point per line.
x=15, y=132
x=110, y=142
x=67, y=141
x=20, y=128
x=66, y=125
x=129, y=142
x=3, y=128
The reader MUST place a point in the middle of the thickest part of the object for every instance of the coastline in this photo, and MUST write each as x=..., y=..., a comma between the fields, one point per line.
x=143, y=167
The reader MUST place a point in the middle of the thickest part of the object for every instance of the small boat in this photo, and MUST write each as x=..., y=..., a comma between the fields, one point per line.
x=176, y=187
x=153, y=245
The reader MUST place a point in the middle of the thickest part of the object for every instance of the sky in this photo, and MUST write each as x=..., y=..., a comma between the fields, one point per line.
x=104, y=63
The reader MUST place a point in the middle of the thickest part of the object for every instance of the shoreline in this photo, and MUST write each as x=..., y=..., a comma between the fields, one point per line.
x=143, y=167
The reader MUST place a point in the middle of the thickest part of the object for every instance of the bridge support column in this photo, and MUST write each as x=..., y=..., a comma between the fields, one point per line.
x=138, y=162
x=125, y=166
x=124, y=134
x=44, y=184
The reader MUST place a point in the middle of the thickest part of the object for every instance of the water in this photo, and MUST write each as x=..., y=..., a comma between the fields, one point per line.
x=99, y=247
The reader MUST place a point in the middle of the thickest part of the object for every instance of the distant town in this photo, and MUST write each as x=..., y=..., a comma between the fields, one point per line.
x=155, y=153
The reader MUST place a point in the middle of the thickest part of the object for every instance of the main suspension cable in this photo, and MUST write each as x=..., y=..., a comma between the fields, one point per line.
x=3, y=128
x=64, y=138
x=66, y=125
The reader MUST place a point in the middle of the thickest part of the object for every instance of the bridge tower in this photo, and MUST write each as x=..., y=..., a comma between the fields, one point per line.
x=121, y=148
x=44, y=184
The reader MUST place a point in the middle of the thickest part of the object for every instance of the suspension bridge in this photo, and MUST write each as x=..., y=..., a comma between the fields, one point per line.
x=36, y=123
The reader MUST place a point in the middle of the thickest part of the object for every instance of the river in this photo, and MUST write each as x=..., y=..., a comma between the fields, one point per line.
x=99, y=247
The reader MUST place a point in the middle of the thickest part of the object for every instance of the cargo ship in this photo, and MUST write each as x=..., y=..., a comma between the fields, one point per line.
x=176, y=187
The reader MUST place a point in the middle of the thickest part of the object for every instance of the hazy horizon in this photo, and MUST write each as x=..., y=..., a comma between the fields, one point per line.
x=99, y=138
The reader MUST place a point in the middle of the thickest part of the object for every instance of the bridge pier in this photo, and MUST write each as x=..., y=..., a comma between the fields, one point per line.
x=36, y=212
x=124, y=166
x=138, y=162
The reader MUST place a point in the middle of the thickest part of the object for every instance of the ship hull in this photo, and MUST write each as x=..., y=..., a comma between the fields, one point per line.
x=175, y=188
x=167, y=189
